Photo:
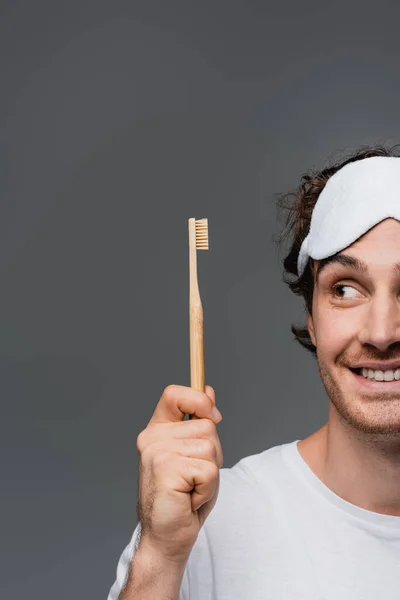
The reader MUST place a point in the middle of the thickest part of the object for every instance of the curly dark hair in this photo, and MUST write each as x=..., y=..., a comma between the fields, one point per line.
x=299, y=205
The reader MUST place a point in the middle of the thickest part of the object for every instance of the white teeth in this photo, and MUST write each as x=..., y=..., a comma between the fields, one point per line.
x=388, y=375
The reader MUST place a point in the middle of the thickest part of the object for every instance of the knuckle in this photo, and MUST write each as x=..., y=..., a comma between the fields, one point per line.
x=208, y=427
x=141, y=441
x=213, y=470
x=169, y=392
x=208, y=447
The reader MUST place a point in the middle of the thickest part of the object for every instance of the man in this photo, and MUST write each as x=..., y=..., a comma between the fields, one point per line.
x=317, y=518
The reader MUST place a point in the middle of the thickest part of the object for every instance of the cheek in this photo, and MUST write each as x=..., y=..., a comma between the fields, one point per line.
x=335, y=329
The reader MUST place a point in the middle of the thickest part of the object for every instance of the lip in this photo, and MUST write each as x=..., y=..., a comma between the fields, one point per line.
x=378, y=386
x=384, y=366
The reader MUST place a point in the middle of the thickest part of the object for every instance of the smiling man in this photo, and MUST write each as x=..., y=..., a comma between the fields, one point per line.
x=318, y=518
x=350, y=259
x=355, y=328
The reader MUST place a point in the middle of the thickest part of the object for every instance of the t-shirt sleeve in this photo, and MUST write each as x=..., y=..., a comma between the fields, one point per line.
x=123, y=567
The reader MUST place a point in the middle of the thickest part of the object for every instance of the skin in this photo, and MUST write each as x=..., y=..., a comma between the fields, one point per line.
x=357, y=452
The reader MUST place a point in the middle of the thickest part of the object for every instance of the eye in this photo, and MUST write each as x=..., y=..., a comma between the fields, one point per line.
x=341, y=286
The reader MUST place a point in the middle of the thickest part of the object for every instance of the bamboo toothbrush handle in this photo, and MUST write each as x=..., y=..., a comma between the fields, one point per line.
x=196, y=346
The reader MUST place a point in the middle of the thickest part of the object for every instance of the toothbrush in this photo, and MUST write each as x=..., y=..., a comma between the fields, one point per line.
x=198, y=240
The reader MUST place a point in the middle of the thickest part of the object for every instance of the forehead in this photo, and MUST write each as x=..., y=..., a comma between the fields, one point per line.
x=388, y=228
x=378, y=248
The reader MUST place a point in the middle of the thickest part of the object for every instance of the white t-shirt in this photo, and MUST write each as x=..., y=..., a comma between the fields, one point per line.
x=277, y=532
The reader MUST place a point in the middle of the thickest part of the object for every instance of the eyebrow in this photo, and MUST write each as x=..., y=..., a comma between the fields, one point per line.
x=349, y=261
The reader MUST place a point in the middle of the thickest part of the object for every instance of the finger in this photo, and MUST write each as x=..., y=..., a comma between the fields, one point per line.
x=210, y=392
x=201, y=448
x=205, y=485
x=177, y=400
x=192, y=448
x=182, y=431
x=195, y=475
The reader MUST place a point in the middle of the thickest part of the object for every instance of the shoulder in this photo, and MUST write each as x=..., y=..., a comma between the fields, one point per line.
x=252, y=494
x=254, y=482
x=269, y=465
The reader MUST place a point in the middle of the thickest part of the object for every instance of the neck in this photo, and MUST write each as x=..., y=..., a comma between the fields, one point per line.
x=360, y=468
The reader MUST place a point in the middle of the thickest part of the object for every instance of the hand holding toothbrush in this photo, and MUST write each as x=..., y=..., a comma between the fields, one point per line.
x=180, y=460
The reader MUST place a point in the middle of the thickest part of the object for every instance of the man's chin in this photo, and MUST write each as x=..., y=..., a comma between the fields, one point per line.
x=373, y=411
x=372, y=416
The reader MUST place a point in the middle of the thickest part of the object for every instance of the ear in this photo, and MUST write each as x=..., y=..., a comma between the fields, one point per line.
x=310, y=327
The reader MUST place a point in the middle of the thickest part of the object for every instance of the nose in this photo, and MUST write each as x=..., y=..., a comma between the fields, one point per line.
x=381, y=322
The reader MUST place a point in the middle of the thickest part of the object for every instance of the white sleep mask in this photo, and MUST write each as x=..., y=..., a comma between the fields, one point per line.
x=357, y=197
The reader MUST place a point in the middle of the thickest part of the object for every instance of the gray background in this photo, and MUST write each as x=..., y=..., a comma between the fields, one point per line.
x=118, y=122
